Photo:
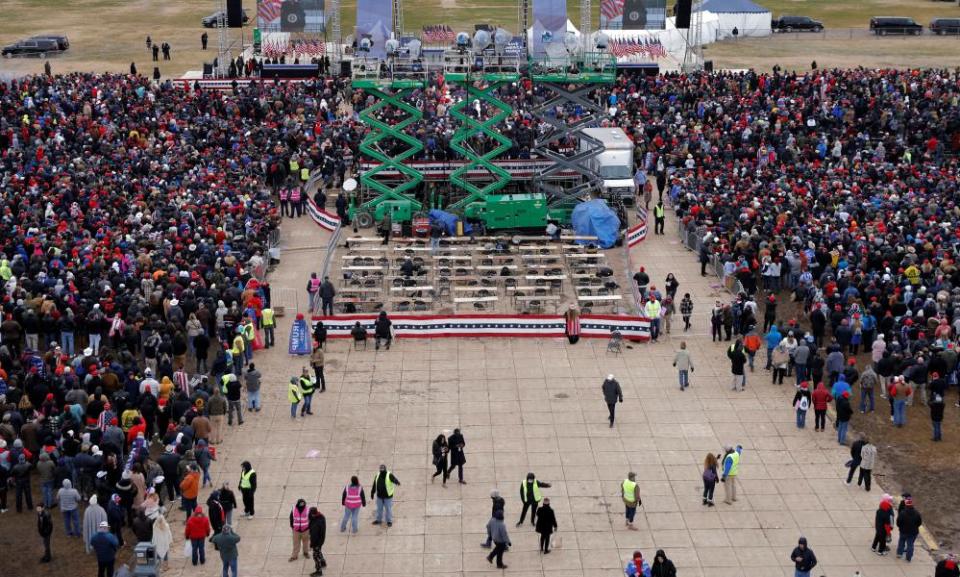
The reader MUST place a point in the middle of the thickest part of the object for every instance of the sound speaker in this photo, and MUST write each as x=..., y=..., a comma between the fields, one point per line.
x=234, y=13
x=635, y=15
x=708, y=65
x=684, y=7
x=345, y=70
x=207, y=70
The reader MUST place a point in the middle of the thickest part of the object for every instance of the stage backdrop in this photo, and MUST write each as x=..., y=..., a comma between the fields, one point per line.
x=375, y=21
x=294, y=16
x=549, y=27
x=490, y=326
x=633, y=14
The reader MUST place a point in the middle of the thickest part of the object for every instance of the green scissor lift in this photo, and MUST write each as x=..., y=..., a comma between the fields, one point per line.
x=392, y=196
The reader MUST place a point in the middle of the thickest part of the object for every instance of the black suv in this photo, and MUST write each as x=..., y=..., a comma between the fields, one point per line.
x=791, y=23
x=211, y=20
x=940, y=26
x=883, y=25
x=31, y=47
x=62, y=42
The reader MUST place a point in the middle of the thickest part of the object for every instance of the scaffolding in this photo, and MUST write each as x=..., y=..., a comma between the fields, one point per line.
x=693, y=52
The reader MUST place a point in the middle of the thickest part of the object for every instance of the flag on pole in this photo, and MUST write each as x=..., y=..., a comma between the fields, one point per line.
x=611, y=9
x=268, y=10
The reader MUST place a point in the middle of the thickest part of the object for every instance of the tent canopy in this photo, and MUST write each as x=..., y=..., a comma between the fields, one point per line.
x=718, y=6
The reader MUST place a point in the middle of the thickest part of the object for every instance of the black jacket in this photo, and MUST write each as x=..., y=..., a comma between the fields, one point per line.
x=612, y=391
x=844, y=410
x=318, y=529
x=807, y=559
x=909, y=521
x=665, y=569
x=44, y=524
x=944, y=571
x=855, y=449
x=882, y=519
x=546, y=520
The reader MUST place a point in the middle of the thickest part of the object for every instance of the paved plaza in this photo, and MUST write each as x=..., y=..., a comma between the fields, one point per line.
x=536, y=405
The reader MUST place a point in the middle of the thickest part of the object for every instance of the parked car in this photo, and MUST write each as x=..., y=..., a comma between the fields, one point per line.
x=30, y=47
x=62, y=42
x=941, y=26
x=883, y=25
x=791, y=23
x=211, y=20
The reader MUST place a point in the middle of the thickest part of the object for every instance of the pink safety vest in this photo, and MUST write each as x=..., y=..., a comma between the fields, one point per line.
x=314, y=285
x=295, y=194
x=301, y=520
x=284, y=195
x=353, y=498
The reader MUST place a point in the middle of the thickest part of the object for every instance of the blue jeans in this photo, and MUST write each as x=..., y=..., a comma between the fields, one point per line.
x=385, y=505
x=937, y=430
x=750, y=357
x=307, y=403
x=684, y=379
x=801, y=419
x=66, y=341
x=434, y=243
x=197, y=552
x=228, y=566
x=71, y=522
x=899, y=412
x=801, y=373
x=905, y=546
x=842, y=431
x=799, y=573
x=864, y=393
x=654, y=328
x=353, y=515
x=206, y=476
x=46, y=489
x=769, y=358
x=293, y=410
x=253, y=399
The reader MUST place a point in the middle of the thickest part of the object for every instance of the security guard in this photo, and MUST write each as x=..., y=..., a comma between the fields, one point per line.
x=306, y=387
x=294, y=395
x=531, y=496
x=658, y=218
x=249, y=335
x=731, y=470
x=269, y=323
x=248, y=486
x=631, y=498
x=384, y=484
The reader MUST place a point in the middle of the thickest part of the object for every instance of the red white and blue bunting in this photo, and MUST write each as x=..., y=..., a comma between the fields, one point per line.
x=322, y=217
x=487, y=326
x=638, y=232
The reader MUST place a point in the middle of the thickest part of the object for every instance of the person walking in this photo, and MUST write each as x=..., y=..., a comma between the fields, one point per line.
x=105, y=545
x=234, y=399
x=353, y=499
x=803, y=558
x=658, y=218
x=801, y=402
x=731, y=470
x=651, y=310
x=883, y=527
x=684, y=364
x=440, y=452
x=844, y=413
x=307, y=387
x=497, y=530
x=947, y=567
x=313, y=291
x=156, y=52
x=248, y=487
x=226, y=543
x=637, y=566
x=316, y=361
x=384, y=485
x=45, y=529
x=908, y=523
x=531, y=496
x=631, y=498
x=300, y=526
x=252, y=379
x=612, y=393
x=686, y=310
x=821, y=397
x=546, y=525
x=294, y=396
x=711, y=475
x=936, y=417
x=856, y=457
x=190, y=489
x=458, y=459
x=900, y=392
x=197, y=530
x=868, y=458
x=662, y=566
x=217, y=410
x=737, y=361
x=869, y=381
x=318, y=534
x=203, y=41
x=68, y=499
x=499, y=504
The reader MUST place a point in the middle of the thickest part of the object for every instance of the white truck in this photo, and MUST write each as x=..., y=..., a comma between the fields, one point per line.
x=614, y=164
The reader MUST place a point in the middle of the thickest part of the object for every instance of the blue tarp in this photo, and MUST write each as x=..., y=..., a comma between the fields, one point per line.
x=595, y=218
x=449, y=222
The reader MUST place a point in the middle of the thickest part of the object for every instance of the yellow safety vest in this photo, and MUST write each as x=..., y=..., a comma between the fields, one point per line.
x=238, y=345
x=304, y=174
x=249, y=332
x=245, y=479
x=267, y=318
x=387, y=481
x=536, y=491
x=223, y=382
x=629, y=490
x=293, y=393
x=658, y=211
x=734, y=464
x=294, y=166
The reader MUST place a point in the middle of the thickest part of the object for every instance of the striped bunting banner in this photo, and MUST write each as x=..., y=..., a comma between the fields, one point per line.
x=322, y=217
x=491, y=326
x=638, y=232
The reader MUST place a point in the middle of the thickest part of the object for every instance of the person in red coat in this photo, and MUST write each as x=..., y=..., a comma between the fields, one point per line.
x=197, y=530
x=821, y=397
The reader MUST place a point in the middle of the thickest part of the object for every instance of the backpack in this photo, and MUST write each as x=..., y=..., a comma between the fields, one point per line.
x=804, y=403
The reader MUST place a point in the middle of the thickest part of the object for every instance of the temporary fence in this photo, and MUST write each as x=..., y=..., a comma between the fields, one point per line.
x=692, y=238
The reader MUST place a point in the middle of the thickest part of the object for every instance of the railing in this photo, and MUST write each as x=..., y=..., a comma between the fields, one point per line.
x=693, y=240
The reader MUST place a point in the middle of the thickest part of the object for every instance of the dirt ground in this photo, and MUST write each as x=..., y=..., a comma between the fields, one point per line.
x=908, y=460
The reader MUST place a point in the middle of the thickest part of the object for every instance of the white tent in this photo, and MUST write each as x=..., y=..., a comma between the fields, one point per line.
x=750, y=19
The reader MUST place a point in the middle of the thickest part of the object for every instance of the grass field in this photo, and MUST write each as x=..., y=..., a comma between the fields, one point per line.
x=109, y=34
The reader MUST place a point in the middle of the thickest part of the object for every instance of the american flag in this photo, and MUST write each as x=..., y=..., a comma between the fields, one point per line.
x=611, y=9
x=268, y=10
x=438, y=33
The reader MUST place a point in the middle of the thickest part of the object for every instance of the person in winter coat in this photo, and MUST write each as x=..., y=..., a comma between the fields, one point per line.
x=936, y=417
x=869, y=382
x=781, y=362
x=69, y=499
x=821, y=398
x=611, y=394
x=636, y=566
x=353, y=499
x=458, y=459
x=300, y=526
x=803, y=558
x=318, y=534
x=45, y=530
x=92, y=517
x=498, y=504
x=684, y=364
x=441, y=451
x=189, y=490
x=711, y=475
x=900, y=392
x=105, y=544
x=501, y=539
x=883, y=526
x=226, y=542
x=662, y=567
x=197, y=530
x=115, y=517
x=737, y=361
x=908, y=522
x=531, y=497
x=546, y=525
x=948, y=567
x=382, y=330
x=801, y=403
x=229, y=502
x=215, y=512
x=844, y=412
